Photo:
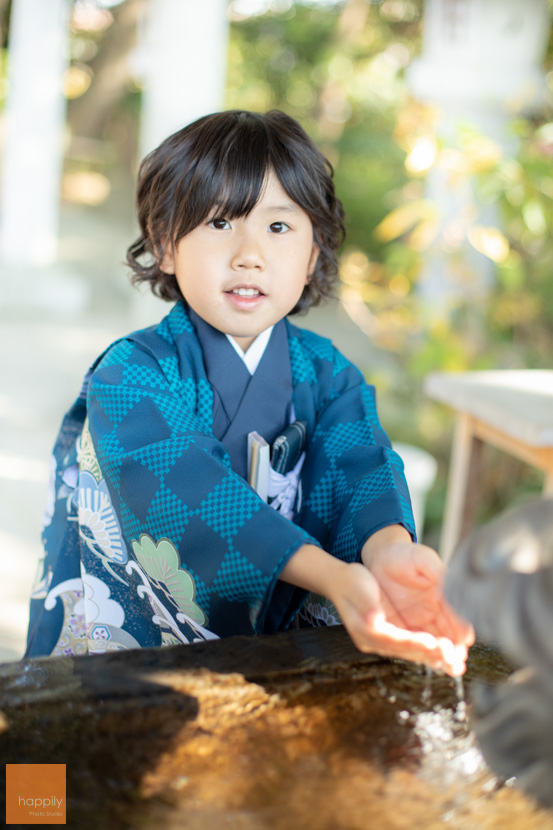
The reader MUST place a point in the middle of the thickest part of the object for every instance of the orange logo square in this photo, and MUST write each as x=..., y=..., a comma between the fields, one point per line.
x=35, y=794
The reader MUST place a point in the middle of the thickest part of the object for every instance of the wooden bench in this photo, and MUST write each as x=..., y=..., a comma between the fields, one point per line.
x=510, y=409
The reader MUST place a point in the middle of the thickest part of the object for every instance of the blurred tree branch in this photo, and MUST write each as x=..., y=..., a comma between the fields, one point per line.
x=89, y=114
x=5, y=7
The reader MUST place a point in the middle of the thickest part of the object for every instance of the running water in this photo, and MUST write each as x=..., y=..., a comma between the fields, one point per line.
x=427, y=689
x=461, y=709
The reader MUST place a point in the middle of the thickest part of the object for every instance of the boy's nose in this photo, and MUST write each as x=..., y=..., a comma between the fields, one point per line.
x=247, y=254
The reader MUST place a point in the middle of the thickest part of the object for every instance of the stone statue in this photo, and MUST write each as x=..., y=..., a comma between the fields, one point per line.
x=501, y=579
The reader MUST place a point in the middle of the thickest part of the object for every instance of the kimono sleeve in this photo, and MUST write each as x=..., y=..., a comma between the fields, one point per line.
x=192, y=528
x=353, y=480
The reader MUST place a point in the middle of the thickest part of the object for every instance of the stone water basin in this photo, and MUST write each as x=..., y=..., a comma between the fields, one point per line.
x=296, y=730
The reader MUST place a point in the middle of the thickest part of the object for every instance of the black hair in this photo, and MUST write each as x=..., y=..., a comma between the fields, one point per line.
x=223, y=159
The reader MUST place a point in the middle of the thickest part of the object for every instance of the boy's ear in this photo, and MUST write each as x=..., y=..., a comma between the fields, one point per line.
x=315, y=251
x=167, y=263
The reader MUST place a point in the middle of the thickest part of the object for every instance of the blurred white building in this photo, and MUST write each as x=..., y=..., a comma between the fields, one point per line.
x=181, y=60
x=481, y=66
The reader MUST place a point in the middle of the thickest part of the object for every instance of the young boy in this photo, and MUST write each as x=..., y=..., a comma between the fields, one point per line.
x=155, y=535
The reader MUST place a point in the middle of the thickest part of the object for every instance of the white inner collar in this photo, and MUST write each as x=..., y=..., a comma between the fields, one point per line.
x=255, y=352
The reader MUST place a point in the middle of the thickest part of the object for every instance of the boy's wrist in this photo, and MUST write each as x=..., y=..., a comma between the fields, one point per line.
x=313, y=569
x=377, y=544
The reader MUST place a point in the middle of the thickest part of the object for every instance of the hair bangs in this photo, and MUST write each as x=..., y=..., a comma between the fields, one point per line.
x=228, y=178
x=244, y=181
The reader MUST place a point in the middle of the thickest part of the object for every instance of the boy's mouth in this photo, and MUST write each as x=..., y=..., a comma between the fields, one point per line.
x=245, y=297
x=245, y=291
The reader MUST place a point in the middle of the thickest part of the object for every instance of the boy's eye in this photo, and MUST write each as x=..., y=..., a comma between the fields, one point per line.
x=279, y=227
x=218, y=223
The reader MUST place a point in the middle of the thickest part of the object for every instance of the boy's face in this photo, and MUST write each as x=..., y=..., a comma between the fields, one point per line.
x=243, y=275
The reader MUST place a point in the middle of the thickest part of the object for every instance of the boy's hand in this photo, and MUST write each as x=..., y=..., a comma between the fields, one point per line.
x=375, y=624
x=392, y=604
x=410, y=579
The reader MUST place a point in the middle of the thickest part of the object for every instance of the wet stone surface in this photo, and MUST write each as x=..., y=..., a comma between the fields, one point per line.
x=269, y=733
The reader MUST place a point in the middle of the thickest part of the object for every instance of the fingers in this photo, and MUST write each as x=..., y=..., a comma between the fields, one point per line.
x=450, y=624
x=386, y=614
x=461, y=630
x=384, y=638
x=455, y=627
x=454, y=657
x=430, y=612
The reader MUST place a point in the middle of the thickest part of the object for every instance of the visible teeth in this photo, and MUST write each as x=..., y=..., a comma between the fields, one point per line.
x=246, y=292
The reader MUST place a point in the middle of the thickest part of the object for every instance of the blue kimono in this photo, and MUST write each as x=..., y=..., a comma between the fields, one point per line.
x=153, y=538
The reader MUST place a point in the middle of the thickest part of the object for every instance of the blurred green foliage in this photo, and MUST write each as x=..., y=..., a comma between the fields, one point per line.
x=337, y=69
x=520, y=310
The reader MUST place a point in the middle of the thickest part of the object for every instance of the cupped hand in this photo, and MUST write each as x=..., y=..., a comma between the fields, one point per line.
x=397, y=608
x=410, y=578
x=392, y=602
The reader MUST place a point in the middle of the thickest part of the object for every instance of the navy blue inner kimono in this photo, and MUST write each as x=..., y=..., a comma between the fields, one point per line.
x=153, y=536
x=244, y=403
